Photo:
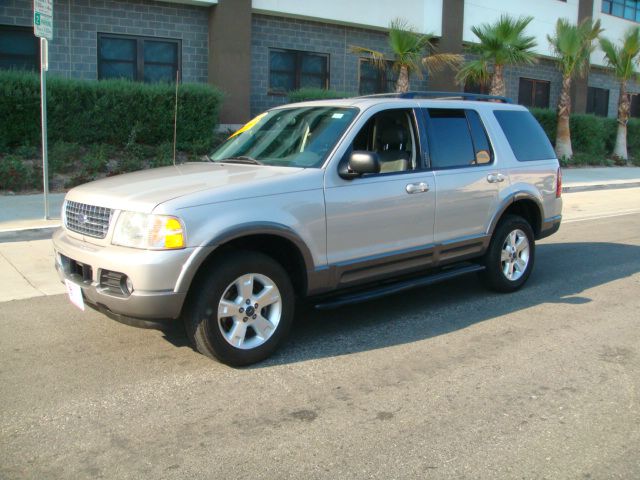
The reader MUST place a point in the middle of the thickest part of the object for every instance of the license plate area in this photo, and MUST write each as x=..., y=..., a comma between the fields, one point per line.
x=75, y=294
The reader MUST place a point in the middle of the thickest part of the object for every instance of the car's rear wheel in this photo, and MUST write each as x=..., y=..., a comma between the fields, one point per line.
x=510, y=257
x=241, y=309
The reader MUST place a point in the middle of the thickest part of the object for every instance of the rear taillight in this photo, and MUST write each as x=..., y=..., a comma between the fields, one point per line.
x=559, y=183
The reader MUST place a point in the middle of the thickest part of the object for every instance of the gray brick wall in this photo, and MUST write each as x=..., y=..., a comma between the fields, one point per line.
x=335, y=40
x=543, y=70
x=73, y=51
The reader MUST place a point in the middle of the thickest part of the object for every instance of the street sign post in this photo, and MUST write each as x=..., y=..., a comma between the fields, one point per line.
x=43, y=28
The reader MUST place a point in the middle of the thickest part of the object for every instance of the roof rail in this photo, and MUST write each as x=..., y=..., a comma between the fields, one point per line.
x=442, y=96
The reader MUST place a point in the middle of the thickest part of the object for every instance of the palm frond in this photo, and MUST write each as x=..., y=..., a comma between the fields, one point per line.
x=475, y=71
x=623, y=57
x=375, y=57
x=572, y=45
x=436, y=62
x=504, y=41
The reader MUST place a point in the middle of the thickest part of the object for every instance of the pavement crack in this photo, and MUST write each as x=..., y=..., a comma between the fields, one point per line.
x=21, y=274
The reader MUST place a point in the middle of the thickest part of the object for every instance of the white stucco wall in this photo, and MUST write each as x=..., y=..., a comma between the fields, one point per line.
x=424, y=15
x=545, y=13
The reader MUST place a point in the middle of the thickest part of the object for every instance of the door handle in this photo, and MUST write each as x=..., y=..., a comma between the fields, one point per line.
x=495, y=177
x=417, y=187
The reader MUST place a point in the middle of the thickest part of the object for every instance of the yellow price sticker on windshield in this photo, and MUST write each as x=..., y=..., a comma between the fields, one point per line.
x=249, y=125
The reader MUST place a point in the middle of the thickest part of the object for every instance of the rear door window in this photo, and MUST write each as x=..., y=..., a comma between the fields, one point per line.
x=525, y=135
x=457, y=139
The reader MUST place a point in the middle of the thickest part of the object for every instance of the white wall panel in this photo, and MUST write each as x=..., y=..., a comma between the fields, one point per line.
x=545, y=13
x=424, y=15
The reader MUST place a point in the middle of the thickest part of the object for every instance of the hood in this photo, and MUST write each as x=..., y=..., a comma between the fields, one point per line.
x=143, y=190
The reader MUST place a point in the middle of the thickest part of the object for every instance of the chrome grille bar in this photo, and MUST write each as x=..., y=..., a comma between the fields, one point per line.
x=87, y=220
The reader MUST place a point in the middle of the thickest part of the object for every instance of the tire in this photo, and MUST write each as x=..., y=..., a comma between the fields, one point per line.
x=506, y=269
x=222, y=325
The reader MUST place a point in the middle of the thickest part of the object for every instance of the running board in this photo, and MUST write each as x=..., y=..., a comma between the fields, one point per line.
x=393, y=288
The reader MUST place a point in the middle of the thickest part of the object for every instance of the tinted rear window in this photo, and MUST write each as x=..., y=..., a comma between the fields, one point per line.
x=525, y=135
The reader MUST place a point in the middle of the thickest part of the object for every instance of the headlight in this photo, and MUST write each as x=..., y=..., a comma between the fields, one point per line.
x=154, y=232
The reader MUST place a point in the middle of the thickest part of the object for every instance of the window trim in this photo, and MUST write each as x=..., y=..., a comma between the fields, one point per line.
x=427, y=118
x=36, y=40
x=139, y=60
x=534, y=81
x=297, y=72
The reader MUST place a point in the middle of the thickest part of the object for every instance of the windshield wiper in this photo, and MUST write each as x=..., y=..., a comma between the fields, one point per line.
x=242, y=159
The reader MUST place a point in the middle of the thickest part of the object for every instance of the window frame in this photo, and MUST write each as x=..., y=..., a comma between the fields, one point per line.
x=36, y=40
x=139, y=62
x=534, y=82
x=382, y=79
x=430, y=141
x=297, y=72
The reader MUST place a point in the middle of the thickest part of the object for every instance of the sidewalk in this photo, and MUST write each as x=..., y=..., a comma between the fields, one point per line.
x=26, y=252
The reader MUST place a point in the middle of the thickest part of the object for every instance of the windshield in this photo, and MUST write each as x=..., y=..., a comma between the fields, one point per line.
x=291, y=137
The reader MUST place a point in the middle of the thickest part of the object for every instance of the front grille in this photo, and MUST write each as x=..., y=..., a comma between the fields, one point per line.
x=87, y=219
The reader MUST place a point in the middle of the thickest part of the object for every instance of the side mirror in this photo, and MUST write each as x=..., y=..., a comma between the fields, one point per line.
x=360, y=162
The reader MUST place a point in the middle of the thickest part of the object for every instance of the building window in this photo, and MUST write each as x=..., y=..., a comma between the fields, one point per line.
x=138, y=58
x=19, y=48
x=598, y=101
x=375, y=80
x=534, y=93
x=292, y=69
x=635, y=105
x=629, y=9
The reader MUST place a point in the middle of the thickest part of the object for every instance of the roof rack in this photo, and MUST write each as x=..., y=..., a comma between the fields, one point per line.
x=442, y=96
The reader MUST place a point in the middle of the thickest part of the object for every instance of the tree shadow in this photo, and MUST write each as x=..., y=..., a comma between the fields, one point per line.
x=563, y=271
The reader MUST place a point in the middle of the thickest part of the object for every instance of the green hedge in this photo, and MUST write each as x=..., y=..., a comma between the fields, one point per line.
x=117, y=112
x=590, y=134
x=306, y=94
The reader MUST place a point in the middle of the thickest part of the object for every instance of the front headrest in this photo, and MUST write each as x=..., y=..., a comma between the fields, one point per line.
x=393, y=135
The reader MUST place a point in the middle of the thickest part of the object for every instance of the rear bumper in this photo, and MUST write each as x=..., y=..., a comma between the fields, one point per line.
x=154, y=275
x=550, y=226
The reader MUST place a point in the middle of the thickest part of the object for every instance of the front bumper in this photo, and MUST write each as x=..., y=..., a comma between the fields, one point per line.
x=154, y=274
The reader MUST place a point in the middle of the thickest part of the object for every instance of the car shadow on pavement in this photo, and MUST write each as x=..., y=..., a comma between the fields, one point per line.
x=563, y=273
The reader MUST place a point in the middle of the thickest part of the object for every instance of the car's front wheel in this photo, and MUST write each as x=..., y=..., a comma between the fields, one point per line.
x=241, y=309
x=510, y=256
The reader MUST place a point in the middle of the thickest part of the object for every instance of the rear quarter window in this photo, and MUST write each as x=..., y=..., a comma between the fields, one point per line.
x=525, y=135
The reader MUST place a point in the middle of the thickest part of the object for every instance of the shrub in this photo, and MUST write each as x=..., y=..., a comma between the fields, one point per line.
x=305, y=94
x=14, y=173
x=86, y=112
x=63, y=156
x=588, y=134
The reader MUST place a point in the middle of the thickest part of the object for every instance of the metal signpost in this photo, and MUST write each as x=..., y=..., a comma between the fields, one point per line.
x=43, y=28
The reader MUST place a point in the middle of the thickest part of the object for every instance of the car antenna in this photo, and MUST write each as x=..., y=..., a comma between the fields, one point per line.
x=175, y=119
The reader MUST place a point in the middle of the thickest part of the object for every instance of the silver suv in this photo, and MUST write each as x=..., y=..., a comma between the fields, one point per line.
x=335, y=201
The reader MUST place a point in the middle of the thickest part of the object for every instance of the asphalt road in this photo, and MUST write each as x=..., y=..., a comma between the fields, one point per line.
x=445, y=382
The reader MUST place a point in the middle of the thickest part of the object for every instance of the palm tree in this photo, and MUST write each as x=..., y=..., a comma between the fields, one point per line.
x=622, y=59
x=501, y=43
x=572, y=45
x=412, y=51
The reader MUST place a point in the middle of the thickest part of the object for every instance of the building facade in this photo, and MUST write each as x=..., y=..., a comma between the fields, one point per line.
x=257, y=50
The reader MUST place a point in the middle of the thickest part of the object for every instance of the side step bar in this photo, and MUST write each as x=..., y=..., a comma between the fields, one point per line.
x=390, y=289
